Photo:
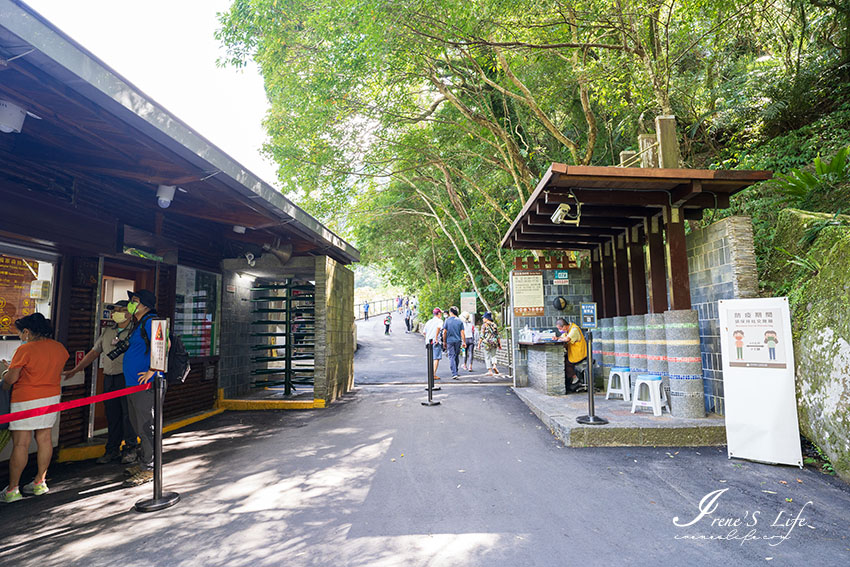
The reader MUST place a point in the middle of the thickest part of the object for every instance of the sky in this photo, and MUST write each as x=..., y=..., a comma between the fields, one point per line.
x=168, y=50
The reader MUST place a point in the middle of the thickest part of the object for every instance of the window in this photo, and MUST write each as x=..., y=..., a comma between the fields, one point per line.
x=197, y=308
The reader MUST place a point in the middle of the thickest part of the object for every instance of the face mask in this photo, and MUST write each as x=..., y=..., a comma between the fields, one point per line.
x=131, y=307
x=119, y=316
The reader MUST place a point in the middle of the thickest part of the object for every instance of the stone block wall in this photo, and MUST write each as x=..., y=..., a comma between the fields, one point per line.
x=539, y=360
x=721, y=265
x=577, y=291
x=335, y=343
x=235, y=358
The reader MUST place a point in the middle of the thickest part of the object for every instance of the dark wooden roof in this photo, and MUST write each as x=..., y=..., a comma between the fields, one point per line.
x=101, y=146
x=614, y=199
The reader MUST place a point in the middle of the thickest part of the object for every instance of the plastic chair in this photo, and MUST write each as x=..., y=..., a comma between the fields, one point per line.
x=621, y=373
x=655, y=393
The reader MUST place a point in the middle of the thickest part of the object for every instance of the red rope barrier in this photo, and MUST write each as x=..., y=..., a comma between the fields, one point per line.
x=18, y=415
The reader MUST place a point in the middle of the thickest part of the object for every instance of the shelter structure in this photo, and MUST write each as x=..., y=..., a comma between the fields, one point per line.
x=641, y=269
x=102, y=190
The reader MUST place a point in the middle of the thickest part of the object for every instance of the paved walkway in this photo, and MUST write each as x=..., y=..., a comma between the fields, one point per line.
x=377, y=479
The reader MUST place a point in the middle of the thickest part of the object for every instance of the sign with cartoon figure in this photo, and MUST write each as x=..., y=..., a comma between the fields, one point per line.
x=755, y=338
x=159, y=344
x=758, y=380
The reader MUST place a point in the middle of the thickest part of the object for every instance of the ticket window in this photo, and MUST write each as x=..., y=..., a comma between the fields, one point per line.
x=26, y=287
x=117, y=280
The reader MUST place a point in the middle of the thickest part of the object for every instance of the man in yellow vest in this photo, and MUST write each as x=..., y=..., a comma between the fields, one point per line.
x=575, y=352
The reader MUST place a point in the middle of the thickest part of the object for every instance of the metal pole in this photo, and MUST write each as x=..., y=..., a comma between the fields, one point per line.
x=590, y=418
x=159, y=501
x=430, y=351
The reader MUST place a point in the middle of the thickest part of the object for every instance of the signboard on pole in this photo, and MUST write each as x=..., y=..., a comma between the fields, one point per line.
x=588, y=315
x=758, y=380
x=468, y=301
x=527, y=292
x=159, y=344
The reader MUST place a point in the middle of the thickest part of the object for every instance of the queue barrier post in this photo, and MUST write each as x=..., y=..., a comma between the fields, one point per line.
x=591, y=418
x=430, y=352
x=159, y=501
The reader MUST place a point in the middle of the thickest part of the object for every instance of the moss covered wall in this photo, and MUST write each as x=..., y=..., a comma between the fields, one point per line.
x=820, y=319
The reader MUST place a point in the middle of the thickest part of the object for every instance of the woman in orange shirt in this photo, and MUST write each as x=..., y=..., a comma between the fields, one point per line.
x=34, y=376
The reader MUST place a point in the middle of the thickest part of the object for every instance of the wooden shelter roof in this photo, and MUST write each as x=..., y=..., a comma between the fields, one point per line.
x=614, y=199
x=101, y=146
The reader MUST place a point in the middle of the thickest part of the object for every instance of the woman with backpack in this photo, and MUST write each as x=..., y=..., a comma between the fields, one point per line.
x=490, y=342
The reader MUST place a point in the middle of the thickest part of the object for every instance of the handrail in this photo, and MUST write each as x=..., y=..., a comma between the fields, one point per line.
x=375, y=308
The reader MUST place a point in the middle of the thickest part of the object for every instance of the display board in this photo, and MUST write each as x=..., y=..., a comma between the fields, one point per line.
x=527, y=293
x=196, y=313
x=16, y=277
x=758, y=380
x=468, y=301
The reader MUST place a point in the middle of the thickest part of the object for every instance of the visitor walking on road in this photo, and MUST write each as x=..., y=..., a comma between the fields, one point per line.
x=432, y=332
x=453, y=337
x=490, y=342
x=388, y=321
x=469, y=331
x=366, y=310
x=35, y=377
x=107, y=346
x=408, y=314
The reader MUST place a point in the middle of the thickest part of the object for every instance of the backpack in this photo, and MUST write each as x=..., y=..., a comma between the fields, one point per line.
x=178, y=356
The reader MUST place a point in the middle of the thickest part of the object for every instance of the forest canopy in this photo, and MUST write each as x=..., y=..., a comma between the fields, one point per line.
x=418, y=129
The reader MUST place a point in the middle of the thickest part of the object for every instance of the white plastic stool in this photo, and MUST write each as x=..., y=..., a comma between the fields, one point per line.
x=655, y=393
x=622, y=387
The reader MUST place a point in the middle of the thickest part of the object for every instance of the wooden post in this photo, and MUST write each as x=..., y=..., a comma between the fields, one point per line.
x=657, y=270
x=668, y=143
x=677, y=259
x=637, y=271
x=624, y=297
x=609, y=278
x=648, y=157
x=596, y=279
x=627, y=159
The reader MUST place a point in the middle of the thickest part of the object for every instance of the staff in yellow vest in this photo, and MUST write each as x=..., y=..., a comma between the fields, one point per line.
x=576, y=351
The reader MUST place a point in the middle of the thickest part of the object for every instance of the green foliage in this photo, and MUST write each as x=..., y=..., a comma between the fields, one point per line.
x=418, y=129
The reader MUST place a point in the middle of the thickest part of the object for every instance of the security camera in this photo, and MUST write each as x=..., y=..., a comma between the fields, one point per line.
x=164, y=195
x=564, y=215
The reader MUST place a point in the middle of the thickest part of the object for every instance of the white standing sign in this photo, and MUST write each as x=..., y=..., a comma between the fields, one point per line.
x=159, y=344
x=758, y=380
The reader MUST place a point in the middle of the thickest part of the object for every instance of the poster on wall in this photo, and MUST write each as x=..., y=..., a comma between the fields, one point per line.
x=527, y=293
x=758, y=380
x=16, y=277
x=468, y=301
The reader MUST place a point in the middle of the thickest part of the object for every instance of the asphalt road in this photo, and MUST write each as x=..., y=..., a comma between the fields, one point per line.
x=400, y=358
x=377, y=479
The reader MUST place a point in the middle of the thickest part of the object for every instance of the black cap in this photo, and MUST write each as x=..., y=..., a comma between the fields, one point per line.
x=146, y=297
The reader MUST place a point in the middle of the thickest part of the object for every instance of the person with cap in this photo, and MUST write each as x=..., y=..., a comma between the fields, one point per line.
x=137, y=371
x=35, y=378
x=432, y=335
x=111, y=343
x=453, y=337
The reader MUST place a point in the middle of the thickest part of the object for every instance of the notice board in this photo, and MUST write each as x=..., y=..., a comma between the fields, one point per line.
x=758, y=380
x=15, y=302
x=527, y=293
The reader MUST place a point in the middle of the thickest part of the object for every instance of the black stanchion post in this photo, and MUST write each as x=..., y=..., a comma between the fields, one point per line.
x=430, y=352
x=591, y=418
x=159, y=501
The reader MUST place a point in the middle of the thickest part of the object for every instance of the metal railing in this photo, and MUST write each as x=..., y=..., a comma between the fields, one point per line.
x=375, y=308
